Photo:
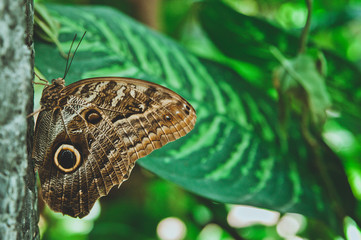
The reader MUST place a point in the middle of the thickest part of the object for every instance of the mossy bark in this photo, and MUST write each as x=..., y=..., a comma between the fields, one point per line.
x=18, y=196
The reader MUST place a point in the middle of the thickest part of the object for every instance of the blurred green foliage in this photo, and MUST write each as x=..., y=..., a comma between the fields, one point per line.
x=234, y=39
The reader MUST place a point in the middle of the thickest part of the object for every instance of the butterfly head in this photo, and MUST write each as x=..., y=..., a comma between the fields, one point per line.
x=58, y=82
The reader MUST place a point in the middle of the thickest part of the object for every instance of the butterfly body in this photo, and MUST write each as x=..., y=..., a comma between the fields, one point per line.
x=90, y=133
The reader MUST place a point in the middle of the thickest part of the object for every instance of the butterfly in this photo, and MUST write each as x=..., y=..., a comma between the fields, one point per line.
x=89, y=134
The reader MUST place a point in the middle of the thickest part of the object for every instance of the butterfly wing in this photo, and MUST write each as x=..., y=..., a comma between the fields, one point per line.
x=112, y=122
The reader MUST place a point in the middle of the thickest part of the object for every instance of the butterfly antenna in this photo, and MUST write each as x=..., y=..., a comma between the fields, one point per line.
x=67, y=67
x=67, y=59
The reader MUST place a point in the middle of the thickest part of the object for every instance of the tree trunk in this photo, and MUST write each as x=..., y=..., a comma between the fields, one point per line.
x=18, y=196
x=147, y=12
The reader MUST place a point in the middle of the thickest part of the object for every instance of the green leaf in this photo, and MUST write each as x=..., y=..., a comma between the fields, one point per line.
x=299, y=79
x=243, y=37
x=45, y=26
x=248, y=39
x=232, y=155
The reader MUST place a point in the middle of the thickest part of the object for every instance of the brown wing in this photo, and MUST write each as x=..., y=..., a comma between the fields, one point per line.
x=112, y=122
x=147, y=114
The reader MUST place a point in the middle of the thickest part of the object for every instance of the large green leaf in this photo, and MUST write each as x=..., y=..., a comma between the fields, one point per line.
x=249, y=39
x=233, y=154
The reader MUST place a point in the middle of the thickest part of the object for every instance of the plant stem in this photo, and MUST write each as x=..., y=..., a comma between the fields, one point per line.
x=305, y=31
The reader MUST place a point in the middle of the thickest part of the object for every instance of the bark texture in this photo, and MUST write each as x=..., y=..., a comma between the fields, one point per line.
x=147, y=12
x=18, y=197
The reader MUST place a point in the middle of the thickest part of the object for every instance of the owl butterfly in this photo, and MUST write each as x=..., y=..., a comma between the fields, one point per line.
x=89, y=134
